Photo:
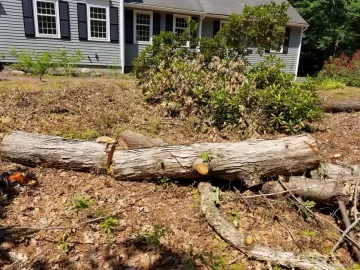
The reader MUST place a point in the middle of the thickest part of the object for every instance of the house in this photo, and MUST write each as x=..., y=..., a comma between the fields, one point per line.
x=113, y=32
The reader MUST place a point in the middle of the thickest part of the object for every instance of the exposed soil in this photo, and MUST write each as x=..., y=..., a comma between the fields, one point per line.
x=87, y=108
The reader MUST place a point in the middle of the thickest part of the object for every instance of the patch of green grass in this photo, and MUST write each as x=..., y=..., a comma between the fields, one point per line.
x=329, y=84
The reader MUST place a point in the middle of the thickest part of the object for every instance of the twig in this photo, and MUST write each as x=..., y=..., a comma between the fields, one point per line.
x=52, y=228
x=320, y=217
x=346, y=232
x=347, y=223
x=268, y=194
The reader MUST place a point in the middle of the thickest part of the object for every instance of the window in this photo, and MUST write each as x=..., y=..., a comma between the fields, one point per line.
x=285, y=46
x=180, y=25
x=143, y=29
x=98, y=23
x=46, y=18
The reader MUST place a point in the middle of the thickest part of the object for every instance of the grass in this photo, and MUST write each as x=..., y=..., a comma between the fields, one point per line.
x=341, y=93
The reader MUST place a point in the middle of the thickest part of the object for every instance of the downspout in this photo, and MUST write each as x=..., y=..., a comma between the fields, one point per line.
x=303, y=29
x=122, y=36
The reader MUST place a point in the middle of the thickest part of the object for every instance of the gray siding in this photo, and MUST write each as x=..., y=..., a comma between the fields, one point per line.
x=12, y=34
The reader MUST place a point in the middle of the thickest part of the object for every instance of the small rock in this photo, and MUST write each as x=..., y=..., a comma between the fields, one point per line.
x=96, y=74
x=337, y=155
x=17, y=73
x=105, y=139
x=85, y=71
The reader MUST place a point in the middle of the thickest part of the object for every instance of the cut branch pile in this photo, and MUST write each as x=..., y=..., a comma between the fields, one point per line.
x=253, y=162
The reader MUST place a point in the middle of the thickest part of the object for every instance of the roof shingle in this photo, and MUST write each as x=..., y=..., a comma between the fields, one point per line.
x=216, y=7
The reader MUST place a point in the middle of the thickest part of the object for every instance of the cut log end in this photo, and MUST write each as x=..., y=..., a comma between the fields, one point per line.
x=201, y=167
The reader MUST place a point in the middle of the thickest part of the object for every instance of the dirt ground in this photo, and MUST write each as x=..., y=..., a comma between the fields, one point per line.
x=157, y=224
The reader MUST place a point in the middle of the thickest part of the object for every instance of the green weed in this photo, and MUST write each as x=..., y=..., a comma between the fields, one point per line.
x=80, y=202
x=109, y=223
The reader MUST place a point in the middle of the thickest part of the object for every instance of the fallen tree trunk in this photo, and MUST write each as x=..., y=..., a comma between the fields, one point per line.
x=255, y=251
x=342, y=106
x=336, y=172
x=248, y=160
x=50, y=151
x=135, y=140
x=322, y=192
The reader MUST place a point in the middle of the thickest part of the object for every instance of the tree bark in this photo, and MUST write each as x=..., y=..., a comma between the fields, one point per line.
x=135, y=140
x=322, y=192
x=248, y=160
x=336, y=172
x=342, y=106
x=256, y=251
x=50, y=151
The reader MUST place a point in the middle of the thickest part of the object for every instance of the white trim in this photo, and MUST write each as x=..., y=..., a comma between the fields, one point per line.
x=164, y=9
x=107, y=8
x=136, y=12
x=298, y=56
x=57, y=18
x=122, y=36
x=222, y=22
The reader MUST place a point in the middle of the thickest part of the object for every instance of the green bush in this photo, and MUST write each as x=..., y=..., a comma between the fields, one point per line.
x=67, y=61
x=343, y=69
x=215, y=86
x=32, y=62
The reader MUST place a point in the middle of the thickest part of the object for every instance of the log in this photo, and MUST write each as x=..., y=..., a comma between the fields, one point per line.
x=247, y=160
x=336, y=172
x=51, y=151
x=321, y=192
x=342, y=106
x=135, y=140
x=255, y=251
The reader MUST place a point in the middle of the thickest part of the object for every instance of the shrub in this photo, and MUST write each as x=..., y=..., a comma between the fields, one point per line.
x=343, y=68
x=32, y=62
x=66, y=60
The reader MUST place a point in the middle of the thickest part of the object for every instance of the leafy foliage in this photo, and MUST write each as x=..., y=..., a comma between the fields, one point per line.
x=343, y=69
x=216, y=86
x=334, y=29
x=109, y=223
x=80, y=202
x=32, y=62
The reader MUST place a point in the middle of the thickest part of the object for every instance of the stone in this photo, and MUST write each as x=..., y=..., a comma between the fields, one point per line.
x=85, y=71
x=96, y=74
x=17, y=73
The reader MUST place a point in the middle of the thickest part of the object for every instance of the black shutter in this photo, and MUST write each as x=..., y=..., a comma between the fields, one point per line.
x=216, y=27
x=28, y=13
x=129, y=26
x=156, y=23
x=82, y=21
x=287, y=40
x=169, y=22
x=114, y=24
x=64, y=19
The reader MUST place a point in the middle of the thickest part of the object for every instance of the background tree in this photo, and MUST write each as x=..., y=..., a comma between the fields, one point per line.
x=334, y=29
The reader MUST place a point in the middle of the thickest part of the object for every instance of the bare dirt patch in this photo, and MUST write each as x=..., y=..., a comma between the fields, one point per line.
x=160, y=223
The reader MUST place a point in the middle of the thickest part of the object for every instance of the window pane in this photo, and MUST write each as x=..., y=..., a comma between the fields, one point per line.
x=98, y=13
x=47, y=25
x=98, y=29
x=180, y=23
x=46, y=8
x=143, y=22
